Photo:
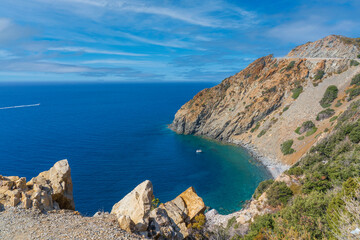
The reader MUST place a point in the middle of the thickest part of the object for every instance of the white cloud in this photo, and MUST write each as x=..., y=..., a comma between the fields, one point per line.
x=96, y=51
x=309, y=30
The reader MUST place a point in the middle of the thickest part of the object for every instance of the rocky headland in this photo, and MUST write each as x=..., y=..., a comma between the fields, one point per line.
x=261, y=106
x=279, y=109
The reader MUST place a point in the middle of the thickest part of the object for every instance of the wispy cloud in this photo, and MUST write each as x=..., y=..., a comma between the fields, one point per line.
x=96, y=51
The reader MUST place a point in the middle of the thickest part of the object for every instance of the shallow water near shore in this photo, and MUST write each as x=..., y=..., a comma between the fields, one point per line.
x=115, y=136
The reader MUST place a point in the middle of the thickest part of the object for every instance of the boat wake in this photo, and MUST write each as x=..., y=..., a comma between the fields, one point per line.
x=21, y=106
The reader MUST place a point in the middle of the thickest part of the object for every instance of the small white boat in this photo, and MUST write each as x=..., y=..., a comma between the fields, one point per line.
x=198, y=151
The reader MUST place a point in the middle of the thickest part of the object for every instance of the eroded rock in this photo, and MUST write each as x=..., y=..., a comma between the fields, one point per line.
x=136, y=205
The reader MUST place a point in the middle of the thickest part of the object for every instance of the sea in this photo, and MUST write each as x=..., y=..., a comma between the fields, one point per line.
x=115, y=136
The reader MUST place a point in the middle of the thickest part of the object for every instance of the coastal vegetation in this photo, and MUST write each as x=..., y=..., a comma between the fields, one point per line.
x=286, y=147
x=296, y=92
x=319, y=75
x=324, y=114
x=325, y=206
x=329, y=96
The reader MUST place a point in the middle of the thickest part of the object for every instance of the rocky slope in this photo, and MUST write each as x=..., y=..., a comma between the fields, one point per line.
x=261, y=106
x=44, y=208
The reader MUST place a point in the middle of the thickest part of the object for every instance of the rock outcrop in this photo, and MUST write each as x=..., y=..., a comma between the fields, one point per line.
x=329, y=47
x=168, y=221
x=261, y=106
x=50, y=190
x=134, y=208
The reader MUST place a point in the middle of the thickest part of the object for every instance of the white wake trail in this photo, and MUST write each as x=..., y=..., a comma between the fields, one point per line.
x=21, y=106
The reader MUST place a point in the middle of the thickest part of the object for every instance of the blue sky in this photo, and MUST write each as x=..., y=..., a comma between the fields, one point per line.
x=135, y=41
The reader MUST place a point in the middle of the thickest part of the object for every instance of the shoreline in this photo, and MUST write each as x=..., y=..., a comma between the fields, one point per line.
x=275, y=168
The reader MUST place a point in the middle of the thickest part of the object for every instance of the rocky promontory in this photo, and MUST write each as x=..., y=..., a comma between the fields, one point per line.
x=261, y=106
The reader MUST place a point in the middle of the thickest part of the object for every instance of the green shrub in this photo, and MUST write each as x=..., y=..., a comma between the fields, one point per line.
x=355, y=80
x=301, y=138
x=297, y=171
x=286, y=108
x=354, y=63
x=290, y=66
x=262, y=132
x=260, y=224
x=286, y=147
x=255, y=128
x=296, y=92
x=311, y=131
x=354, y=135
x=333, y=118
x=316, y=182
x=278, y=193
x=307, y=214
x=319, y=75
x=262, y=187
x=338, y=104
x=354, y=93
x=329, y=96
x=358, y=56
x=325, y=114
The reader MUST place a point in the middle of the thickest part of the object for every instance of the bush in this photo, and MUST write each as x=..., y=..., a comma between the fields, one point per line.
x=354, y=63
x=325, y=114
x=316, y=182
x=329, y=96
x=305, y=126
x=358, y=56
x=278, y=193
x=319, y=75
x=255, y=128
x=290, y=66
x=296, y=92
x=311, y=131
x=263, y=186
x=301, y=138
x=297, y=171
x=333, y=118
x=355, y=80
x=286, y=147
x=354, y=93
x=307, y=213
x=354, y=135
x=338, y=104
x=286, y=108
x=262, y=132
x=260, y=224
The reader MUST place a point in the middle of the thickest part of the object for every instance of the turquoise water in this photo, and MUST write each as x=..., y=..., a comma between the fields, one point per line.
x=115, y=136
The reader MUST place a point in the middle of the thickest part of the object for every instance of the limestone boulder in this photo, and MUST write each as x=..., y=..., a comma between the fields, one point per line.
x=58, y=183
x=193, y=202
x=136, y=205
x=50, y=190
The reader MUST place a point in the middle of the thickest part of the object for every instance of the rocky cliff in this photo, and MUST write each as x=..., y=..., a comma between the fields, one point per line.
x=262, y=106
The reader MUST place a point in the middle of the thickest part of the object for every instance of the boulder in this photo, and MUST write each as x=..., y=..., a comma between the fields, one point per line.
x=136, y=205
x=50, y=190
x=161, y=226
x=178, y=218
x=57, y=181
x=193, y=202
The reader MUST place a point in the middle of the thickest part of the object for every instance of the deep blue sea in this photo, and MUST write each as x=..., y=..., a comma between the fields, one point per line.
x=115, y=136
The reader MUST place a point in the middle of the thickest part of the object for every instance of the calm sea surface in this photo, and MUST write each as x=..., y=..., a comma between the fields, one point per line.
x=115, y=136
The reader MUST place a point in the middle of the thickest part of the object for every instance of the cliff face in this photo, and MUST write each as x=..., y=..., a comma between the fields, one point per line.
x=248, y=108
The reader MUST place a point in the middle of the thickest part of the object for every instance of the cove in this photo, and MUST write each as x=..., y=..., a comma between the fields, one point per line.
x=115, y=136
